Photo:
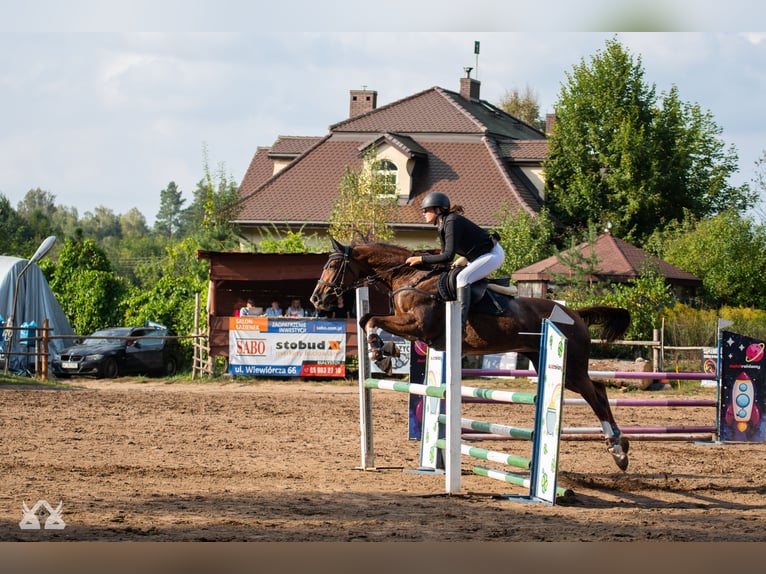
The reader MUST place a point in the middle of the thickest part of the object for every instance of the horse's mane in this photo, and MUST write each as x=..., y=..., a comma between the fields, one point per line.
x=386, y=256
x=384, y=252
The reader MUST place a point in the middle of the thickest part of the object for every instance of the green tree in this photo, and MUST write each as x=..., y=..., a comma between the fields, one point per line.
x=728, y=252
x=579, y=283
x=364, y=205
x=525, y=238
x=86, y=287
x=170, y=218
x=647, y=298
x=759, y=181
x=37, y=200
x=12, y=230
x=212, y=213
x=100, y=223
x=524, y=106
x=291, y=242
x=617, y=156
x=133, y=224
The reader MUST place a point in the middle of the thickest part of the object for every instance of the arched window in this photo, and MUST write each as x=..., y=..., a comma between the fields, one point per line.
x=387, y=173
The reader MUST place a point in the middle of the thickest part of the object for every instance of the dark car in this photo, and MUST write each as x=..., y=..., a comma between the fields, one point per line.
x=109, y=353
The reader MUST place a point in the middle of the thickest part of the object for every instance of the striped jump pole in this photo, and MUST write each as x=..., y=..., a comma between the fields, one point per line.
x=688, y=376
x=440, y=392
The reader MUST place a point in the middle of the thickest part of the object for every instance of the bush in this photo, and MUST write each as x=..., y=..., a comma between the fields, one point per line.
x=687, y=327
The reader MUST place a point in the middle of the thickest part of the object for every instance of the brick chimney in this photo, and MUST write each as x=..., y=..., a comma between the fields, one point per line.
x=469, y=88
x=550, y=123
x=362, y=101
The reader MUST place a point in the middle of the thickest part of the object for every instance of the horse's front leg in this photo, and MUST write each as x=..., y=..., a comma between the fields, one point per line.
x=404, y=325
x=380, y=352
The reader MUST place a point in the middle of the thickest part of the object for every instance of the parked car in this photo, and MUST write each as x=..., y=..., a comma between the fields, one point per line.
x=109, y=353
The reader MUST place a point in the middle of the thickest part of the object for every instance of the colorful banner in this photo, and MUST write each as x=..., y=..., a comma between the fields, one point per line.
x=743, y=389
x=418, y=353
x=550, y=387
x=264, y=347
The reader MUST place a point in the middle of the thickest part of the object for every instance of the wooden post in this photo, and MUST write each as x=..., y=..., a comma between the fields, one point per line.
x=44, y=357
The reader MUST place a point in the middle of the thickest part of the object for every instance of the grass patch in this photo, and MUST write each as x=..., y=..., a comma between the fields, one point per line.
x=15, y=381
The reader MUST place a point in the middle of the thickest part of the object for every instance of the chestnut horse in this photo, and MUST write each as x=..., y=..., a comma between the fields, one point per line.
x=419, y=314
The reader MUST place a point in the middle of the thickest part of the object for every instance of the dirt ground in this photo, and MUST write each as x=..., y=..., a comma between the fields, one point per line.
x=278, y=461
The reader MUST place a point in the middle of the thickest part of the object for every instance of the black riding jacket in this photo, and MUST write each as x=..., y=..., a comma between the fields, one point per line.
x=459, y=235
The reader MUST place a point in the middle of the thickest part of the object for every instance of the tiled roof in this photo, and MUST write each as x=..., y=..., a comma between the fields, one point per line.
x=524, y=150
x=260, y=169
x=292, y=145
x=439, y=111
x=306, y=190
x=466, y=149
x=618, y=261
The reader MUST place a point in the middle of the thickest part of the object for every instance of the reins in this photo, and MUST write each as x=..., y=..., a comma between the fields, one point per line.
x=337, y=284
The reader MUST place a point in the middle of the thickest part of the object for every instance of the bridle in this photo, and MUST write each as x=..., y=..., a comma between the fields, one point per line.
x=337, y=284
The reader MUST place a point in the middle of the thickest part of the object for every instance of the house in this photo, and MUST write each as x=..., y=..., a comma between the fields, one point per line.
x=437, y=139
x=618, y=262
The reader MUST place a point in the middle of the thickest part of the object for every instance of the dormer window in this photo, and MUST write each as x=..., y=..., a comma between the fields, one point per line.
x=388, y=176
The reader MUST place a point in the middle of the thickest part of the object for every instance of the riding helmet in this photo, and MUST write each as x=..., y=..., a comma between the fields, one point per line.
x=436, y=199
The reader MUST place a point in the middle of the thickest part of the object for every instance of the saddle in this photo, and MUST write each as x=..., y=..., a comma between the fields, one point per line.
x=489, y=296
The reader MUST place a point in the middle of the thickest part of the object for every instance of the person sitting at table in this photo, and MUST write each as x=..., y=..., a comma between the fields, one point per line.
x=274, y=310
x=250, y=310
x=295, y=309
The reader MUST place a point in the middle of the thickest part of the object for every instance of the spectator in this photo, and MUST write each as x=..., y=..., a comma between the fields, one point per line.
x=295, y=309
x=340, y=311
x=275, y=310
x=250, y=310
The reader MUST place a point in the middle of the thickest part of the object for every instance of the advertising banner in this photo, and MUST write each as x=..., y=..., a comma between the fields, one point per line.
x=266, y=347
x=743, y=386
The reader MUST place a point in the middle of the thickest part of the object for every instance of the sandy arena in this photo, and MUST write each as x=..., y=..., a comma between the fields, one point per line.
x=277, y=461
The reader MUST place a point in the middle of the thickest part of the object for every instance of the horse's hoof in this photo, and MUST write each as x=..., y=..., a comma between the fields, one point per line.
x=621, y=460
x=618, y=448
x=390, y=349
x=375, y=345
x=385, y=365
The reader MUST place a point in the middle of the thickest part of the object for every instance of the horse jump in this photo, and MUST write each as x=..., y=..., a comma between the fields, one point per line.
x=655, y=432
x=419, y=314
x=452, y=447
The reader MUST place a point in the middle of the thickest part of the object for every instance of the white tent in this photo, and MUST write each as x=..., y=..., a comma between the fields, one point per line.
x=35, y=302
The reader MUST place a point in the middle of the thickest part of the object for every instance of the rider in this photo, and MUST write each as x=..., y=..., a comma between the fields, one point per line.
x=459, y=235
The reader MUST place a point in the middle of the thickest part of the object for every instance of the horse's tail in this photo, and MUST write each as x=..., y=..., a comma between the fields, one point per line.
x=614, y=320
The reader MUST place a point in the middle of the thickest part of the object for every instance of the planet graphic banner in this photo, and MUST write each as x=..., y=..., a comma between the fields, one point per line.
x=743, y=389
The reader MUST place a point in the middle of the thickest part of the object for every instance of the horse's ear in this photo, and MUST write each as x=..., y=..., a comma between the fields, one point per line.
x=337, y=245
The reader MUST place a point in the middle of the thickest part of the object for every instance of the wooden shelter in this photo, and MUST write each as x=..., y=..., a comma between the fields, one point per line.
x=236, y=277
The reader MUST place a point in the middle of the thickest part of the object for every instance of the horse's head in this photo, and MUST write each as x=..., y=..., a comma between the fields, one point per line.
x=339, y=275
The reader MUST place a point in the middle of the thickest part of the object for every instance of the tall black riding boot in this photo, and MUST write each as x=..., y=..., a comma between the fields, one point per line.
x=464, y=298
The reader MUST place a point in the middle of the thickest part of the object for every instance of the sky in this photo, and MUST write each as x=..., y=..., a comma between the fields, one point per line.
x=103, y=103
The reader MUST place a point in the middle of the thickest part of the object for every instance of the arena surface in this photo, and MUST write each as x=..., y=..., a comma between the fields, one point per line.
x=277, y=461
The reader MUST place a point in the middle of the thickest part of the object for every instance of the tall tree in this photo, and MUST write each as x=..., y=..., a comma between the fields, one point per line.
x=524, y=106
x=37, y=200
x=169, y=219
x=215, y=205
x=617, y=156
x=100, y=223
x=12, y=230
x=364, y=205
